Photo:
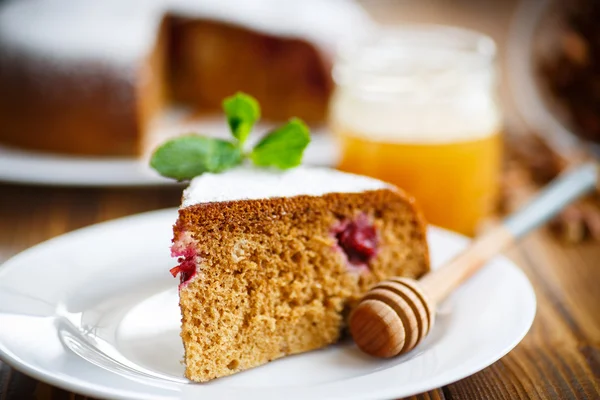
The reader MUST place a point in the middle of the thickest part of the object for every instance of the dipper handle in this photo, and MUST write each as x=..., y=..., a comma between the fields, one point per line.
x=558, y=194
x=398, y=313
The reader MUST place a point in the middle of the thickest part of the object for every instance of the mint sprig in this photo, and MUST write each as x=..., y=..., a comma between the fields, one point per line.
x=242, y=113
x=191, y=155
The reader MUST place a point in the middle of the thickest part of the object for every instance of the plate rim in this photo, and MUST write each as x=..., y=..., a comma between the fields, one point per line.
x=70, y=170
x=90, y=388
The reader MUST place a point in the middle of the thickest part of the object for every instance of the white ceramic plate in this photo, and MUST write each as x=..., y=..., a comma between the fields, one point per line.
x=95, y=311
x=30, y=167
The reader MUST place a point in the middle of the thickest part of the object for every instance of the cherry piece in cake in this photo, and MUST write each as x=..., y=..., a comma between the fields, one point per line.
x=358, y=240
x=187, y=264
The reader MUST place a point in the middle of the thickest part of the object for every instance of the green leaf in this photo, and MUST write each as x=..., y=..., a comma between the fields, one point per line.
x=188, y=156
x=242, y=112
x=283, y=147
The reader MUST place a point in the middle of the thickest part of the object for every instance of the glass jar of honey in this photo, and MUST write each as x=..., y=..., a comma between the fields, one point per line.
x=417, y=107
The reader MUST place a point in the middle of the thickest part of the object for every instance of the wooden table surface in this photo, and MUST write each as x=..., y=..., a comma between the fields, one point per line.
x=558, y=359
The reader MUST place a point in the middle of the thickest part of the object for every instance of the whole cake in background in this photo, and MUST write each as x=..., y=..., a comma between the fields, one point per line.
x=272, y=258
x=89, y=77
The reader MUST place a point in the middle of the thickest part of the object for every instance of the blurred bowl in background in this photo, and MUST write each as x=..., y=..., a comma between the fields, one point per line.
x=536, y=38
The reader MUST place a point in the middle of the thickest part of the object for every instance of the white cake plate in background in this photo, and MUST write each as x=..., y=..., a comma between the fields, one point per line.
x=95, y=312
x=19, y=166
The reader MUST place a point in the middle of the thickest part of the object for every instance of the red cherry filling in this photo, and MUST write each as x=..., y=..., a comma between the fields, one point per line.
x=187, y=265
x=358, y=239
x=186, y=270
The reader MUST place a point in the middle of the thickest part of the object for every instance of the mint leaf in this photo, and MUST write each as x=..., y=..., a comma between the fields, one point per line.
x=283, y=147
x=188, y=156
x=242, y=112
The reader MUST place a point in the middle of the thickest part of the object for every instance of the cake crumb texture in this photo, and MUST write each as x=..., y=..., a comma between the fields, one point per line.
x=271, y=279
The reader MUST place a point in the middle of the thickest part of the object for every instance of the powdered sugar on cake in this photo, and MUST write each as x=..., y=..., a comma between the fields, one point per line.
x=245, y=183
x=121, y=33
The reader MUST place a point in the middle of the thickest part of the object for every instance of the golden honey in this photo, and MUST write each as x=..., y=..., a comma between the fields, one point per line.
x=456, y=184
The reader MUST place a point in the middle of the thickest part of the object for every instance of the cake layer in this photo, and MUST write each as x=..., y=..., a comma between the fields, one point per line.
x=265, y=278
x=93, y=111
x=288, y=76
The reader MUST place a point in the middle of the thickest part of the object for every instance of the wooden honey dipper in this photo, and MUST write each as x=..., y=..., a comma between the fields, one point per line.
x=398, y=313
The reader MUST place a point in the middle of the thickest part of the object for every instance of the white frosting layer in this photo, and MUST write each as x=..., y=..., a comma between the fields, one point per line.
x=122, y=32
x=245, y=183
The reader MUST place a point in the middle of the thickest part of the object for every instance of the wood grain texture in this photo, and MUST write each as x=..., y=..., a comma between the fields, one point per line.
x=377, y=329
x=559, y=357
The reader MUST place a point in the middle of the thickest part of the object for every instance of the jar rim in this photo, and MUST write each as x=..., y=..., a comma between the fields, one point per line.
x=392, y=52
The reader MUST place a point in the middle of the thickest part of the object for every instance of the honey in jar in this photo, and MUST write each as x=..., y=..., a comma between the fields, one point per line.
x=416, y=107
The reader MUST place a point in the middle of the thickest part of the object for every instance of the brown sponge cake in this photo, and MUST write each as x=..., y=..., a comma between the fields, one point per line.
x=271, y=263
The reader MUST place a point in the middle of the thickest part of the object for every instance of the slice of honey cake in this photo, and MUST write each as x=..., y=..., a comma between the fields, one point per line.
x=271, y=262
